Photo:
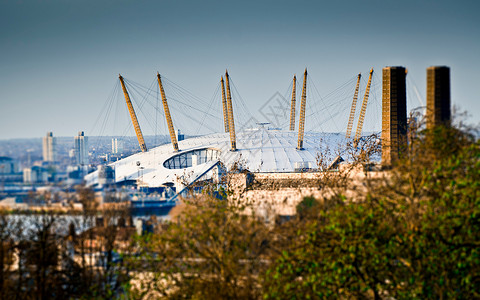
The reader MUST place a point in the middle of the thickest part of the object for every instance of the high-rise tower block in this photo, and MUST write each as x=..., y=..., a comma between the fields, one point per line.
x=81, y=149
x=49, y=147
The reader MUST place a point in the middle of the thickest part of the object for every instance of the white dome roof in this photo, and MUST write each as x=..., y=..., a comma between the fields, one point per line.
x=258, y=150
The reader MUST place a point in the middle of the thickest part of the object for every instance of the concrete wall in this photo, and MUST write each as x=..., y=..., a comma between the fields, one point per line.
x=272, y=194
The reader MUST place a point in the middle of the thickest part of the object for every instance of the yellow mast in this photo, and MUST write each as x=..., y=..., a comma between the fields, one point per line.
x=292, y=109
x=358, y=133
x=231, y=123
x=352, y=110
x=225, y=109
x=301, y=125
x=136, y=126
x=173, y=137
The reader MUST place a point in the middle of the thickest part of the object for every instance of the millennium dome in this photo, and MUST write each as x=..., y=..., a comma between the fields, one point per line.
x=259, y=149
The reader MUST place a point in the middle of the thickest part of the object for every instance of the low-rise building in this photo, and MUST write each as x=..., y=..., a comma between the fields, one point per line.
x=35, y=174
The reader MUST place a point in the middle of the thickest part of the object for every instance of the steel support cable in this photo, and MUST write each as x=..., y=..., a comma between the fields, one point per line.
x=341, y=103
x=333, y=115
x=157, y=110
x=143, y=101
x=193, y=97
x=313, y=100
x=177, y=96
x=156, y=115
x=182, y=89
x=374, y=104
x=338, y=100
x=342, y=87
x=105, y=105
x=190, y=116
x=146, y=117
x=318, y=93
x=128, y=128
x=141, y=90
x=315, y=106
x=333, y=104
x=408, y=96
x=420, y=98
x=240, y=115
x=312, y=89
x=183, y=113
x=105, y=120
x=144, y=93
x=183, y=93
x=245, y=110
x=174, y=99
x=285, y=123
x=153, y=105
x=288, y=92
x=173, y=93
x=118, y=103
x=149, y=92
x=117, y=111
x=323, y=122
x=331, y=100
x=179, y=109
x=209, y=106
x=242, y=102
x=102, y=125
x=239, y=112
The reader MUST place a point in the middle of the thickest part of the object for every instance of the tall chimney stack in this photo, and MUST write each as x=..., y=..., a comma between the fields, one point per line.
x=394, y=114
x=438, y=96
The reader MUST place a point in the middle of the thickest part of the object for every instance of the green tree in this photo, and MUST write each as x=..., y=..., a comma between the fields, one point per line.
x=413, y=234
x=212, y=251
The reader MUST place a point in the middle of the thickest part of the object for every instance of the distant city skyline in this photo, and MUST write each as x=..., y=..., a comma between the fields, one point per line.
x=61, y=59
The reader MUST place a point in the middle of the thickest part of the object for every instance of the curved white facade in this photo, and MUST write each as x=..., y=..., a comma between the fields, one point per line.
x=258, y=150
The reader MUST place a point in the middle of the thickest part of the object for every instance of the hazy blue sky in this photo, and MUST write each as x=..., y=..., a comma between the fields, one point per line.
x=60, y=58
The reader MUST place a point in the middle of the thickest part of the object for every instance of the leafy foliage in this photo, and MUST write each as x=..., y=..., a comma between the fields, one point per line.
x=211, y=252
x=411, y=231
x=413, y=234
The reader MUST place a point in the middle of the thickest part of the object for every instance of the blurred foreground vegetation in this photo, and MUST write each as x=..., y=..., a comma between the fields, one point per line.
x=412, y=233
